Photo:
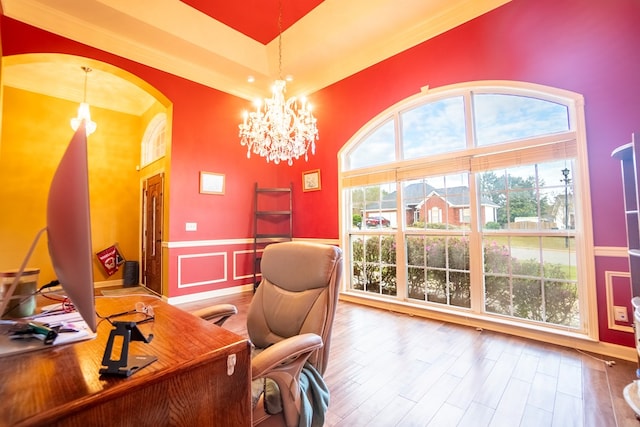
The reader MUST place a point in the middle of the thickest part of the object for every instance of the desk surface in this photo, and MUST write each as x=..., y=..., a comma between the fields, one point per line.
x=63, y=382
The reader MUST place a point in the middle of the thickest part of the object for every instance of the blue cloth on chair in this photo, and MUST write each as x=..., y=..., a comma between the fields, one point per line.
x=314, y=397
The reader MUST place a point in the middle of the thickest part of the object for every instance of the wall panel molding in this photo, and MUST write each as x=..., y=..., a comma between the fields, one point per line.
x=189, y=265
x=611, y=251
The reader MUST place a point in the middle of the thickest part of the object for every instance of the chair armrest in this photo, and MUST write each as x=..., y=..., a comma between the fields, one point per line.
x=283, y=362
x=221, y=312
x=284, y=353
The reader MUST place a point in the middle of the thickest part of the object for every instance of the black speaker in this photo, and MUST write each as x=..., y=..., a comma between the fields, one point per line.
x=130, y=274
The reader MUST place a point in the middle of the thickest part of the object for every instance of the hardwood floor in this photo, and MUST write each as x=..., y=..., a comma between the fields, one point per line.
x=390, y=369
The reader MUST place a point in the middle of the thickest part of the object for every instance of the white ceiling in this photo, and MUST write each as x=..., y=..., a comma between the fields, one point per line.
x=65, y=80
x=335, y=40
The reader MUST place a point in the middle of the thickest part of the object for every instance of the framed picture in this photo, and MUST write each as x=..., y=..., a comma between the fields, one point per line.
x=211, y=183
x=311, y=180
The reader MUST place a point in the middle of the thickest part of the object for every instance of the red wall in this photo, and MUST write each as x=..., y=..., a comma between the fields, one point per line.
x=587, y=46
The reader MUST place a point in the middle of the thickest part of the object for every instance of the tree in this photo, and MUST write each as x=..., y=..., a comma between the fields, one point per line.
x=362, y=195
x=516, y=196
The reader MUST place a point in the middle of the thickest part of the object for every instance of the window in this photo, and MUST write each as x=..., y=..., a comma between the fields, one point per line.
x=530, y=268
x=378, y=149
x=435, y=216
x=500, y=118
x=373, y=254
x=153, y=142
x=433, y=128
x=467, y=199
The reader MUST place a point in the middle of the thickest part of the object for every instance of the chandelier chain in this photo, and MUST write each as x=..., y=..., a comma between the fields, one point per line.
x=83, y=109
x=280, y=39
x=279, y=129
x=86, y=70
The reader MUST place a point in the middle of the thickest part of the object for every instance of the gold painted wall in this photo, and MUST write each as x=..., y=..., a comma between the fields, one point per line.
x=35, y=133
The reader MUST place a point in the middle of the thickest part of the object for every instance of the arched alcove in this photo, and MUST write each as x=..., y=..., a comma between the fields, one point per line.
x=41, y=93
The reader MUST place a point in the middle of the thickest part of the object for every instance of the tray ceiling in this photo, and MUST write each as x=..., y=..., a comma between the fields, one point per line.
x=221, y=43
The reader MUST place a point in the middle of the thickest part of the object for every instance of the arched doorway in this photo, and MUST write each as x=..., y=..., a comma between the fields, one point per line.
x=42, y=93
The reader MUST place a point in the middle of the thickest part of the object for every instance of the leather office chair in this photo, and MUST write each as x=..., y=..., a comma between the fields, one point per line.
x=289, y=322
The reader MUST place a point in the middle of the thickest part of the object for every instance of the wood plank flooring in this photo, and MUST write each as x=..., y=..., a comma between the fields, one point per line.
x=390, y=369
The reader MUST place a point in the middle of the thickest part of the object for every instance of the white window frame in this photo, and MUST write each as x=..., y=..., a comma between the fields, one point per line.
x=393, y=172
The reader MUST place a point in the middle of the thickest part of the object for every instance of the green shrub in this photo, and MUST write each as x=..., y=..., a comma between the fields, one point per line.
x=437, y=226
x=356, y=220
x=438, y=271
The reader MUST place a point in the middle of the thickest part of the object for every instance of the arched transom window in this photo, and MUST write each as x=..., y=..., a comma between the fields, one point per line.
x=153, y=141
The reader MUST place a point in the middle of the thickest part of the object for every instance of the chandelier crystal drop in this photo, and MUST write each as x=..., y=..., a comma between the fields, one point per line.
x=280, y=130
x=83, y=110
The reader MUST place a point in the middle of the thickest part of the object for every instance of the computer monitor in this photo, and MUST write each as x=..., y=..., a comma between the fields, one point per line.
x=69, y=237
x=69, y=227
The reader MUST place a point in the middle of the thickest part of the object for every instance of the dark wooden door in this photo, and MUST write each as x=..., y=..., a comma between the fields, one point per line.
x=152, y=233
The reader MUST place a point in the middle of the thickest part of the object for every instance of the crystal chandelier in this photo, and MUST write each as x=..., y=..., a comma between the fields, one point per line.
x=283, y=130
x=83, y=110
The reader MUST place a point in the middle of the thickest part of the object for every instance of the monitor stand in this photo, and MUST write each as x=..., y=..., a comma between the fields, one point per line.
x=126, y=364
x=7, y=292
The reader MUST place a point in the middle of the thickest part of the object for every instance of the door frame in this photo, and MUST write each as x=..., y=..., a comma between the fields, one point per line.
x=144, y=229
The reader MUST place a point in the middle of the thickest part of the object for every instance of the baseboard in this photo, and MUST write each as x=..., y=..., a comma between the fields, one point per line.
x=96, y=285
x=108, y=283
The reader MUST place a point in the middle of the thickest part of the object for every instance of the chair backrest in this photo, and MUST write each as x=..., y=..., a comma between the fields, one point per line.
x=298, y=294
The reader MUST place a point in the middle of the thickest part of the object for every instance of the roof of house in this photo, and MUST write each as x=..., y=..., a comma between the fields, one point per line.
x=415, y=195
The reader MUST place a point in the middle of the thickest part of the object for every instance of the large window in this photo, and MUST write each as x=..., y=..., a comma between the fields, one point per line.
x=468, y=199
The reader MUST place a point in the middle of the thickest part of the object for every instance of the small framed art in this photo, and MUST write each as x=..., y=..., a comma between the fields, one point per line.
x=311, y=180
x=211, y=183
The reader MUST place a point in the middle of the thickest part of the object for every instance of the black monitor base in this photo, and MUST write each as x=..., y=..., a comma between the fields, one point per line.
x=126, y=364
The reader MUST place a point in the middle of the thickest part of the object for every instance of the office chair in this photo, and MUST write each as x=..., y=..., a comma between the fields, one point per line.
x=289, y=321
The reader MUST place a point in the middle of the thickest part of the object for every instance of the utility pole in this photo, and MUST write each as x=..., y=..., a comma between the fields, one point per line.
x=566, y=180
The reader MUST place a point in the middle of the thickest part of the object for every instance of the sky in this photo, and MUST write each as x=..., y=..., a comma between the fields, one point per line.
x=439, y=127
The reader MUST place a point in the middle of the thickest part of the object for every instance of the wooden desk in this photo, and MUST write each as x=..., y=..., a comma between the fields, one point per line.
x=188, y=384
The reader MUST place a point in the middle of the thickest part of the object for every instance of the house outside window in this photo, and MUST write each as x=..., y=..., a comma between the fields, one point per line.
x=479, y=218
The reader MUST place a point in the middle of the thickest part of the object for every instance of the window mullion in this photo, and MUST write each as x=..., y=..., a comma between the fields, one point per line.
x=475, y=238
x=468, y=118
x=476, y=258
x=401, y=249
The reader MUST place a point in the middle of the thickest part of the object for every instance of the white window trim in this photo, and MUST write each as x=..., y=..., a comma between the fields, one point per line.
x=385, y=173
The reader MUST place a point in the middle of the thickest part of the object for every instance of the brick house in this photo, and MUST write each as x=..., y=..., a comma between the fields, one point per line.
x=427, y=204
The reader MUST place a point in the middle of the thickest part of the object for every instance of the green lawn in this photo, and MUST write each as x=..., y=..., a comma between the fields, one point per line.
x=553, y=243
x=558, y=243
